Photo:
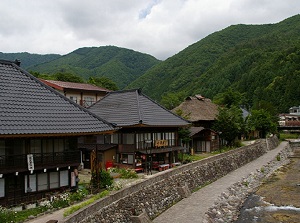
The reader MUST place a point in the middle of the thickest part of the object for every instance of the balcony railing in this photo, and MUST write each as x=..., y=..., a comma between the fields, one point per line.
x=12, y=162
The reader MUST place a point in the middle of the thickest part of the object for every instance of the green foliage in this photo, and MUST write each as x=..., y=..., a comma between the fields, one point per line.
x=79, y=195
x=171, y=100
x=229, y=123
x=9, y=216
x=29, y=60
x=101, y=179
x=261, y=62
x=229, y=98
x=103, y=82
x=75, y=208
x=185, y=158
x=284, y=136
x=119, y=65
x=128, y=173
x=68, y=77
x=184, y=135
x=262, y=121
x=125, y=173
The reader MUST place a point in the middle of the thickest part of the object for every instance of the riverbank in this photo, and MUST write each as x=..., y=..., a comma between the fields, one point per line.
x=277, y=198
x=263, y=192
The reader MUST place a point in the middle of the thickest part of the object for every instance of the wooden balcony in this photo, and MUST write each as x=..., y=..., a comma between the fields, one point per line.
x=11, y=163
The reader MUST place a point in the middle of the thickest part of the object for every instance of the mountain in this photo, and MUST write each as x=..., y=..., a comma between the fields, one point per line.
x=118, y=64
x=260, y=61
x=27, y=59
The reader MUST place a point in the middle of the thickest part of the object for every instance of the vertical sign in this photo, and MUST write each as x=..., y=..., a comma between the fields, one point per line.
x=30, y=162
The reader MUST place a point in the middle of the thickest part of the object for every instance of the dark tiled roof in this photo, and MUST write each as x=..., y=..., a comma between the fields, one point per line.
x=27, y=106
x=132, y=107
x=198, y=108
x=61, y=85
x=195, y=130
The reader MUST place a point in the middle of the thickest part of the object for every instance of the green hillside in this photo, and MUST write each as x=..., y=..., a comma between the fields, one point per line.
x=118, y=64
x=261, y=61
x=28, y=59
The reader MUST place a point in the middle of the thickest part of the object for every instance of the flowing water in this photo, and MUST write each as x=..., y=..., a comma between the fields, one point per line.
x=255, y=210
x=278, y=199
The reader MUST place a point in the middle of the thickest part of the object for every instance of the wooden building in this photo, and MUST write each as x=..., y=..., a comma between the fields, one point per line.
x=148, y=134
x=39, y=129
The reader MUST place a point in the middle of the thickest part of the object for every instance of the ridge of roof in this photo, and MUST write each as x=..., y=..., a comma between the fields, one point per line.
x=15, y=70
x=135, y=109
x=75, y=85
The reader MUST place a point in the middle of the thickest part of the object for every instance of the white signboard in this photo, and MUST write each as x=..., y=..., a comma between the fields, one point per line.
x=30, y=162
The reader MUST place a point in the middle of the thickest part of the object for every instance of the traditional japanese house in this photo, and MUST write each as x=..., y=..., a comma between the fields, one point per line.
x=201, y=112
x=204, y=140
x=39, y=129
x=148, y=137
x=82, y=93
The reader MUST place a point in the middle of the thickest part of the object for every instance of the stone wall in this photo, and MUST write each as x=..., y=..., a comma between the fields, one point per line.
x=158, y=193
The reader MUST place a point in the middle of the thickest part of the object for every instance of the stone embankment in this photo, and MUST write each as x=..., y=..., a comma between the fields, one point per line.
x=226, y=209
x=157, y=193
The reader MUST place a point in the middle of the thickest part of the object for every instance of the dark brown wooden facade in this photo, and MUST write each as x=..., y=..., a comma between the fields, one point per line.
x=31, y=168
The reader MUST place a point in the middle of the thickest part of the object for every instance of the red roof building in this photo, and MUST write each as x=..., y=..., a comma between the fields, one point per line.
x=81, y=93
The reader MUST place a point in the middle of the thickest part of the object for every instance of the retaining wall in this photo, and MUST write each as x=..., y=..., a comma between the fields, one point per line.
x=158, y=193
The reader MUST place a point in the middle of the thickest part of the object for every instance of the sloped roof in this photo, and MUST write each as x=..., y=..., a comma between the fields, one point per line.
x=28, y=107
x=132, y=107
x=198, y=108
x=61, y=85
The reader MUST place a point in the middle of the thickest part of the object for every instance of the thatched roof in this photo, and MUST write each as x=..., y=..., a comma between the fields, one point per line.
x=198, y=108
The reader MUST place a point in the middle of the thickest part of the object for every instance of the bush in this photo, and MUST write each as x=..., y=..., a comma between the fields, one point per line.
x=105, y=179
x=128, y=174
x=79, y=195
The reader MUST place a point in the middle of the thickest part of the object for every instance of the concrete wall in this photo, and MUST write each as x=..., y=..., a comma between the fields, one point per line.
x=158, y=193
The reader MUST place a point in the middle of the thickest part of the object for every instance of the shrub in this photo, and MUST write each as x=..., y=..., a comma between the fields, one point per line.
x=79, y=195
x=102, y=179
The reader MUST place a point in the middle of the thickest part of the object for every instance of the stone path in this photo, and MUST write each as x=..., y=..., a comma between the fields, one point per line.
x=193, y=208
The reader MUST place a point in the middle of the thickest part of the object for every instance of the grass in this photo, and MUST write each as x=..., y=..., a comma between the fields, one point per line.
x=76, y=207
x=284, y=136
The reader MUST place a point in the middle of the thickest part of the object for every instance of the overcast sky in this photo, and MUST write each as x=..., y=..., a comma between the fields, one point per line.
x=161, y=28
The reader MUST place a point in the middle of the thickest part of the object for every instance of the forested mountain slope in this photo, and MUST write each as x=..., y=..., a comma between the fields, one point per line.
x=118, y=64
x=28, y=59
x=261, y=61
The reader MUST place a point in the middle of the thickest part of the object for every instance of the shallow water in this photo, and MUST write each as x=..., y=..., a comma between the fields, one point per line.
x=256, y=210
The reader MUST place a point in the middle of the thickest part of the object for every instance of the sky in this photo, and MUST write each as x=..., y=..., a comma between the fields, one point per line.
x=160, y=28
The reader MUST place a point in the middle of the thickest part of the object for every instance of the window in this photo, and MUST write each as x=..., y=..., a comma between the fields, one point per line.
x=2, y=147
x=36, y=146
x=127, y=158
x=2, y=188
x=73, y=98
x=88, y=101
x=47, y=146
x=42, y=181
x=128, y=138
x=114, y=139
x=58, y=145
x=54, y=180
x=31, y=186
x=64, y=178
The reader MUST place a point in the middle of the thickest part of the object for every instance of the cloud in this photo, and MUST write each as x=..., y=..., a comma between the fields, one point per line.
x=157, y=27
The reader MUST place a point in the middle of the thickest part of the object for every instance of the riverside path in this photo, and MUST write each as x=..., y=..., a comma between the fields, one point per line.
x=193, y=208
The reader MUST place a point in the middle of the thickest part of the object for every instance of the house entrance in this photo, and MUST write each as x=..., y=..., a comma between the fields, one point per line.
x=14, y=189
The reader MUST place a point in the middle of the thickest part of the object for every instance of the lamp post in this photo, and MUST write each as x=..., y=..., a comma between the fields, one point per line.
x=148, y=151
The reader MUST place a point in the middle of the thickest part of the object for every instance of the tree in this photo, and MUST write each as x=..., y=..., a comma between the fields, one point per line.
x=171, y=100
x=68, y=77
x=229, y=98
x=262, y=121
x=103, y=82
x=229, y=123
